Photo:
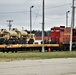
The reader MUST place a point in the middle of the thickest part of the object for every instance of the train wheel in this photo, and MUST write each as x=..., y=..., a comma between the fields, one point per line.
x=40, y=50
x=7, y=51
x=12, y=51
x=3, y=51
x=64, y=48
x=15, y=51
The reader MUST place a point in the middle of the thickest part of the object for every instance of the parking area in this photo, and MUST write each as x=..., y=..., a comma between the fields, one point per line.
x=65, y=66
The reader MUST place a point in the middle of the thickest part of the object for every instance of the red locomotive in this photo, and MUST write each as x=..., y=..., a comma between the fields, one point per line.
x=61, y=35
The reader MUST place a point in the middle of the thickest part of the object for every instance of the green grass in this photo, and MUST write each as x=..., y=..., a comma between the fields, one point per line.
x=35, y=55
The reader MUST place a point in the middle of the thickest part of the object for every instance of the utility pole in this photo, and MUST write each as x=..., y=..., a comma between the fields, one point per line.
x=43, y=28
x=9, y=24
x=72, y=24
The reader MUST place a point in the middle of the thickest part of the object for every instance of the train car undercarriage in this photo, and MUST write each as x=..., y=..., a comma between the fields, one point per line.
x=28, y=47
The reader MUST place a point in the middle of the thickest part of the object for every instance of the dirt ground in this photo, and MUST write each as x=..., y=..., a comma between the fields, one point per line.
x=65, y=66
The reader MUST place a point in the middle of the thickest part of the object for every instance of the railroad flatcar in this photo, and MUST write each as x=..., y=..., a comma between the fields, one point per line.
x=14, y=40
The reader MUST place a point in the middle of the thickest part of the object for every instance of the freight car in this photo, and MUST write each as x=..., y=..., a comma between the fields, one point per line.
x=61, y=35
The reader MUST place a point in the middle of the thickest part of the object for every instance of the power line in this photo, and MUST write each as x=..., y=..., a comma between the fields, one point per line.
x=49, y=17
x=36, y=16
x=59, y=6
x=13, y=12
x=56, y=6
x=35, y=10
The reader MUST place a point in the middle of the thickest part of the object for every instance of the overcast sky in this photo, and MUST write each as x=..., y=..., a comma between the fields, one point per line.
x=19, y=12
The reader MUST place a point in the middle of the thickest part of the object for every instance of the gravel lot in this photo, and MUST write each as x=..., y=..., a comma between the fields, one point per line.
x=65, y=66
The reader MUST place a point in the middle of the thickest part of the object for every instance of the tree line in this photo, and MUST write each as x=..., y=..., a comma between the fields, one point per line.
x=39, y=33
